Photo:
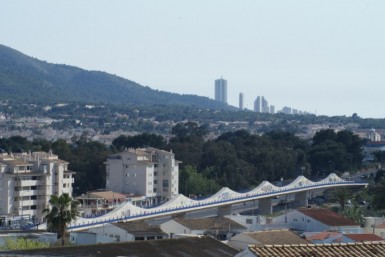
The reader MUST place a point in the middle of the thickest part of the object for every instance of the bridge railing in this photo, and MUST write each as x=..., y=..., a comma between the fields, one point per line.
x=152, y=212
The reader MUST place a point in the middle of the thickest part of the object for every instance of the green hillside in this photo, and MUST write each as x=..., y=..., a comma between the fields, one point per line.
x=23, y=78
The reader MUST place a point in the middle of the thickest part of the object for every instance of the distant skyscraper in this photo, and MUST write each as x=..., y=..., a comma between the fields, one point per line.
x=272, y=109
x=221, y=90
x=261, y=105
x=241, y=101
x=257, y=104
x=265, y=105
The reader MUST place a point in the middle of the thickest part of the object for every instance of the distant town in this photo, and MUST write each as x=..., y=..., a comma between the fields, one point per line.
x=261, y=105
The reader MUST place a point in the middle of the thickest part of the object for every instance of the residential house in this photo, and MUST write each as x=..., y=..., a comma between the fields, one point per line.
x=328, y=237
x=96, y=203
x=218, y=227
x=243, y=240
x=318, y=219
x=120, y=232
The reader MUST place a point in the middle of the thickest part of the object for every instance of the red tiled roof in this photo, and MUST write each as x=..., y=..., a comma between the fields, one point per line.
x=322, y=235
x=375, y=249
x=328, y=217
x=364, y=237
x=277, y=237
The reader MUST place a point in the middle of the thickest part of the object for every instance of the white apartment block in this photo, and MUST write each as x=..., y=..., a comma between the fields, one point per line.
x=27, y=181
x=148, y=172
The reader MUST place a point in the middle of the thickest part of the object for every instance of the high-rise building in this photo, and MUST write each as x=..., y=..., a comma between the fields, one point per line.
x=147, y=172
x=265, y=105
x=27, y=181
x=257, y=104
x=272, y=109
x=241, y=106
x=221, y=90
x=261, y=105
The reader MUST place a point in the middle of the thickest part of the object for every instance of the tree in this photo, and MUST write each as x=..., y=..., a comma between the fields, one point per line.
x=377, y=191
x=63, y=211
x=341, y=195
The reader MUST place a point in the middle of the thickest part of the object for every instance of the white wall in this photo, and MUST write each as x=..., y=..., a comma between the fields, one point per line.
x=173, y=227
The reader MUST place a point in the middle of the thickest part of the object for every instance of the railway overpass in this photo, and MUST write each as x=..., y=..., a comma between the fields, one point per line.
x=223, y=200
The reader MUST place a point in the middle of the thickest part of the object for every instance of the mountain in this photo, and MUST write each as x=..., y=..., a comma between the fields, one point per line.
x=23, y=78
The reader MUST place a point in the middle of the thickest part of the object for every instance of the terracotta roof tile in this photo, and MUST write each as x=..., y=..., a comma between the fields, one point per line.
x=322, y=235
x=328, y=217
x=375, y=249
x=277, y=237
x=364, y=237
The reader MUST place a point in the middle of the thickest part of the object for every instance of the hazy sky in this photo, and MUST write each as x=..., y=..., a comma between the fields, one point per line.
x=325, y=56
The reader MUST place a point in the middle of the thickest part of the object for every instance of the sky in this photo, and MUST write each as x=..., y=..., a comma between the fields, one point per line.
x=321, y=56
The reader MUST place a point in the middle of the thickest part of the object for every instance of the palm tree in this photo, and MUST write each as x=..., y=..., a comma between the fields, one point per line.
x=63, y=211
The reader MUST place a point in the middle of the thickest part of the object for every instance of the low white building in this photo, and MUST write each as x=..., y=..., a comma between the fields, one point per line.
x=317, y=219
x=27, y=181
x=149, y=172
x=118, y=232
x=217, y=227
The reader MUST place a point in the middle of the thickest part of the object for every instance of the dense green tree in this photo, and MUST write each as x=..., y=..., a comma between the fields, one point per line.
x=87, y=160
x=333, y=152
x=192, y=182
x=60, y=213
x=376, y=190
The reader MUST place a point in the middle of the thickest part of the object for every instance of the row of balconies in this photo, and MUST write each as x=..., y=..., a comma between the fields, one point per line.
x=29, y=193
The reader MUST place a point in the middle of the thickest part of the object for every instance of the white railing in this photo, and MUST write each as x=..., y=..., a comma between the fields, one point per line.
x=180, y=203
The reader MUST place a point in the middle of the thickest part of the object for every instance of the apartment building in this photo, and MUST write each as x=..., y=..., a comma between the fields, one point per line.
x=27, y=181
x=148, y=172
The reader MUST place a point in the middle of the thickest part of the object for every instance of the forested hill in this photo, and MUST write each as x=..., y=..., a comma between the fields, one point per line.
x=28, y=79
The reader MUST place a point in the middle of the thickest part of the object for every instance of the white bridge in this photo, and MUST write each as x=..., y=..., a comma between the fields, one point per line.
x=223, y=199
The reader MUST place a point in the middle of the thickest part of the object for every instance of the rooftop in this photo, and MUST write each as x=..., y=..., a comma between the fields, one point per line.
x=277, y=237
x=375, y=249
x=183, y=247
x=327, y=217
x=364, y=237
x=140, y=228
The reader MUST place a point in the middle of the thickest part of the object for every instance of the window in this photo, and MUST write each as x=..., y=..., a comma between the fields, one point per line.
x=165, y=182
x=249, y=221
x=155, y=182
x=155, y=173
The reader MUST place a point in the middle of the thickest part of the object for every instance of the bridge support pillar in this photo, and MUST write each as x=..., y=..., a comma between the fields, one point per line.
x=265, y=206
x=301, y=199
x=224, y=210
